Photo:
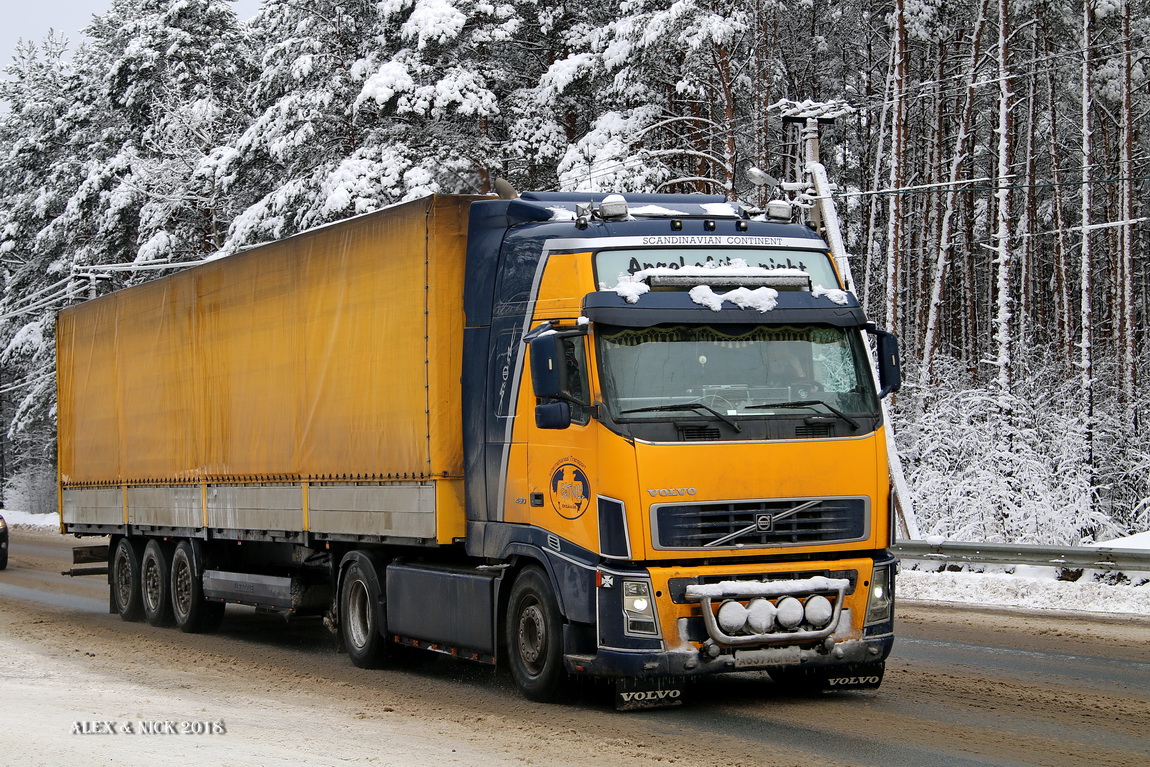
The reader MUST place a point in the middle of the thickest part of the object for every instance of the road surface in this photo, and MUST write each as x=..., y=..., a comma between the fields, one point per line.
x=964, y=687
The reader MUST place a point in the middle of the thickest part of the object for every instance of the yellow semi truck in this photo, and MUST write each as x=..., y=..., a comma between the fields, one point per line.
x=637, y=438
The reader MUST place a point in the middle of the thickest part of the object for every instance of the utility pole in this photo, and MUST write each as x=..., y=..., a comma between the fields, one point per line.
x=824, y=216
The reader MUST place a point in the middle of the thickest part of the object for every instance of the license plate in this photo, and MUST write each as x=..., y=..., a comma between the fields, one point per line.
x=778, y=656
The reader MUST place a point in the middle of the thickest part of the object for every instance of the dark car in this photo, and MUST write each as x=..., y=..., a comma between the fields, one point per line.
x=3, y=543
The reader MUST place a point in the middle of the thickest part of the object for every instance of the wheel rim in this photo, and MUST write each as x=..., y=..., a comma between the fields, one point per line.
x=358, y=615
x=123, y=581
x=532, y=636
x=182, y=588
x=152, y=584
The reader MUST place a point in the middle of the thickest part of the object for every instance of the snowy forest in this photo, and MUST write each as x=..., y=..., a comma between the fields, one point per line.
x=992, y=175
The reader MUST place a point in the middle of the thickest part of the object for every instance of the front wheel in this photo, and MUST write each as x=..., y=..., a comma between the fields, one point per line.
x=535, y=638
x=359, y=597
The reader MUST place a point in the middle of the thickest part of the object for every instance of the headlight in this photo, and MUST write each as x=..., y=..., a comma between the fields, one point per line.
x=3, y=524
x=881, y=596
x=639, y=609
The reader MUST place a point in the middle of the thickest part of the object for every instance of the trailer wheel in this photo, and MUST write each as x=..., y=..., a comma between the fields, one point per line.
x=155, y=577
x=124, y=581
x=535, y=638
x=192, y=612
x=359, y=626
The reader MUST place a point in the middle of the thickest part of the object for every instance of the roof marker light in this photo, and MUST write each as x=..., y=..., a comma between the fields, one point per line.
x=780, y=210
x=613, y=208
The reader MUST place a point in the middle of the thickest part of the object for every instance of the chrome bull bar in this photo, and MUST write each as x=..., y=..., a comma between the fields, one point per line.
x=740, y=590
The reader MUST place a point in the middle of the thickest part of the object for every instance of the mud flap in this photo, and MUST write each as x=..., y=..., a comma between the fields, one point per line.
x=857, y=676
x=632, y=694
x=854, y=676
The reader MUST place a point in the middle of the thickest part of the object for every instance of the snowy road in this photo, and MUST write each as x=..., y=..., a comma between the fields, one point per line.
x=964, y=688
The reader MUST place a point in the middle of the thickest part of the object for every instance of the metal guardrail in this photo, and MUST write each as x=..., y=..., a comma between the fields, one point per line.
x=1084, y=557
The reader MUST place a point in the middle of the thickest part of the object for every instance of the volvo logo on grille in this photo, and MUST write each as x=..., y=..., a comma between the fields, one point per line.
x=764, y=523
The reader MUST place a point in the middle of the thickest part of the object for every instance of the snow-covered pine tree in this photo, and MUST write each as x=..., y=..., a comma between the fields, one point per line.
x=303, y=160
x=37, y=171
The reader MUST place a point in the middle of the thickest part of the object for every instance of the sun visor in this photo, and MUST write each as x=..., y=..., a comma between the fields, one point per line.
x=658, y=307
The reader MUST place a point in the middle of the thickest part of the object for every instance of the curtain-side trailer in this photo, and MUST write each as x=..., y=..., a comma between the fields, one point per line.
x=638, y=439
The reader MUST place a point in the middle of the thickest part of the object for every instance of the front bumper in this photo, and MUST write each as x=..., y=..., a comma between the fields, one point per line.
x=695, y=638
x=691, y=662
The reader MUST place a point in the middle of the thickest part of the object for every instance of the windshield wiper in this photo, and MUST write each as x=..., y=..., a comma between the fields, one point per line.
x=808, y=403
x=688, y=406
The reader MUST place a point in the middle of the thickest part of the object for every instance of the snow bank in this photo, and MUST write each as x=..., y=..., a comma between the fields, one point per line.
x=1138, y=541
x=24, y=519
x=1019, y=591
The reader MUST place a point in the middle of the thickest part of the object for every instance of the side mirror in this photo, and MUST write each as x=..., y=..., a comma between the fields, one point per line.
x=548, y=369
x=553, y=415
x=889, y=364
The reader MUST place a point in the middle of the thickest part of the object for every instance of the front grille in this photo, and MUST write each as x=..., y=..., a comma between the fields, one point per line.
x=790, y=522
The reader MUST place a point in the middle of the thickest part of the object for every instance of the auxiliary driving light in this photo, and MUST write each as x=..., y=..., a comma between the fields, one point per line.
x=732, y=617
x=760, y=616
x=790, y=613
x=819, y=611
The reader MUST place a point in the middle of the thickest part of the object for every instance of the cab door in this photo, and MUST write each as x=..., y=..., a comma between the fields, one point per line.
x=562, y=471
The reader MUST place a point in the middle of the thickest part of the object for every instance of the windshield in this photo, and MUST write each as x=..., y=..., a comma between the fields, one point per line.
x=676, y=371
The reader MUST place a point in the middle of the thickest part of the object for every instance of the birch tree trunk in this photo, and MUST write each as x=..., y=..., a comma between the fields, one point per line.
x=950, y=202
x=875, y=201
x=894, y=245
x=1127, y=366
x=1061, y=276
x=1002, y=237
x=1086, y=360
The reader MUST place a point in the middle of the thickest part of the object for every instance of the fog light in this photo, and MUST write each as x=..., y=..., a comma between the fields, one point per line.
x=819, y=611
x=732, y=617
x=790, y=613
x=761, y=616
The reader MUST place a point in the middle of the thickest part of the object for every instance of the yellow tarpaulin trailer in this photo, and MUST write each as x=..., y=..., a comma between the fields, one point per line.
x=270, y=387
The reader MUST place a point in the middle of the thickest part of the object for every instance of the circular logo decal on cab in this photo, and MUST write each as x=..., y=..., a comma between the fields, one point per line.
x=570, y=491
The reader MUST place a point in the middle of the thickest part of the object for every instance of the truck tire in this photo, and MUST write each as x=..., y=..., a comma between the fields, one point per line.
x=155, y=580
x=535, y=638
x=124, y=580
x=359, y=597
x=192, y=612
